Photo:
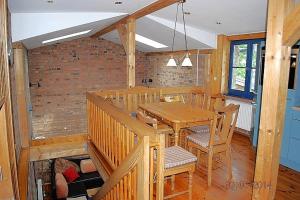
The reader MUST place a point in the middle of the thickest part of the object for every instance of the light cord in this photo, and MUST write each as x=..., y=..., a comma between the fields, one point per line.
x=183, y=18
x=174, y=33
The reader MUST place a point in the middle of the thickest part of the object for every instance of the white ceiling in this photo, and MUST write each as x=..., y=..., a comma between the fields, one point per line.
x=149, y=28
x=128, y=6
x=236, y=16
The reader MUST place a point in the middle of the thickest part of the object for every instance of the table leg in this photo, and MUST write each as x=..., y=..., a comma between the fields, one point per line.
x=176, y=130
x=176, y=138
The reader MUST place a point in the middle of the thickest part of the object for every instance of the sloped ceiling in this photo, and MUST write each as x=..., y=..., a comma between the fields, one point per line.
x=36, y=20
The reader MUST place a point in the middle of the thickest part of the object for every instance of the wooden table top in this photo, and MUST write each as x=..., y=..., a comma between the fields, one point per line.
x=178, y=112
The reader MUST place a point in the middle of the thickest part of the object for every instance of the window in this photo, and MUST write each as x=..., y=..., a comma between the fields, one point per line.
x=244, y=64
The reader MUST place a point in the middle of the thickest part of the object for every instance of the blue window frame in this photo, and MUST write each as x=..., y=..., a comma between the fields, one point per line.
x=244, y=65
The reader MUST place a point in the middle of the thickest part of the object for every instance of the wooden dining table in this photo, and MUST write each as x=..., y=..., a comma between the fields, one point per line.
x=178, y=115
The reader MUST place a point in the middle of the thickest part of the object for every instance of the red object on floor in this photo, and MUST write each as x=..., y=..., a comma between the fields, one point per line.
x=71, y=174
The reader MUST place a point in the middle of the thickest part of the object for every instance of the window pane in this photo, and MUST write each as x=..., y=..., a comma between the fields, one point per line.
x=252, y=81
x=254, y=55
x=238, y=79
x=240, y=55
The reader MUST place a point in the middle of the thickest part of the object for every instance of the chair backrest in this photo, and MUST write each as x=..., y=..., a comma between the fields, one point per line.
x=143, y=117
x=202, y=100
x=175, y=98
x=223, y=125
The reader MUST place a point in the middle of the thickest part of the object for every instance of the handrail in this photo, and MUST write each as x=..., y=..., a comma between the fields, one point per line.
x=138, y=156
x=137, y=127
x=129, y=99
x=113, y=136
x=162, y=90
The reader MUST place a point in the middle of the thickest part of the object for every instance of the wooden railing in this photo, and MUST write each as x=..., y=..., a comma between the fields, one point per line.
x=120, y=145
x=129, y=99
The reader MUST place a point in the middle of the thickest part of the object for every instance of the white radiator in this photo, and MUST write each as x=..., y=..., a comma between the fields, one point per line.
x=245, y=118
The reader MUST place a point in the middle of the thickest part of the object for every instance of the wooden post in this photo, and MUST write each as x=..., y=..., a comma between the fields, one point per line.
x=223, y=59
x=160, y=168
x=273, y=102
x=220, y=66
x=21, y=82
x=8, y=169
x=143, y=171
x=131, y=53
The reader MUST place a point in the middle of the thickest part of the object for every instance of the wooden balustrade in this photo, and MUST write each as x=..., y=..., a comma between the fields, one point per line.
x=119, y=146
x=130, y=180
x=129, y=99
x=118, y=142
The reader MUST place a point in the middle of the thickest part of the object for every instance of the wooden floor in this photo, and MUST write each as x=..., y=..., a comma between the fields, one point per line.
x=240, y=188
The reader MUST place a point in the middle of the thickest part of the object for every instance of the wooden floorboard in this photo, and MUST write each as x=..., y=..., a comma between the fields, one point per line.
x=240, y=187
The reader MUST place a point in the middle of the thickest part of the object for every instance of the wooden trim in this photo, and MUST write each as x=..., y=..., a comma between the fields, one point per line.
x=23, y=171
x=57, y=150
x=248, y=36
x=157, y=5
x=80, y=137
x=274, y=95
x=238, y=99
x=191, y=51
x=291, y=29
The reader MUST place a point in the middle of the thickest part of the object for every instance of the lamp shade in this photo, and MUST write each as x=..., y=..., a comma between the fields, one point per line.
x=187, y=62
x=172, y=62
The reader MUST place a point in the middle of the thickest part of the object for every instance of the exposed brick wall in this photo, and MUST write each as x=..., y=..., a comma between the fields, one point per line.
x=175, y=76
x=65, y=72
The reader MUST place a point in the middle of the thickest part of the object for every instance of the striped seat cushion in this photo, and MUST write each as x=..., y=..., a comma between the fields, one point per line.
x=176, y=156
x=201, y=139
x=199, y=129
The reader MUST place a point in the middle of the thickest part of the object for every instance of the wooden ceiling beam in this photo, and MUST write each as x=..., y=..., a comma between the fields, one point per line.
x=291, y=28
x=157, y=5
x=122, y=30
x=248, y=36
x=191, y=51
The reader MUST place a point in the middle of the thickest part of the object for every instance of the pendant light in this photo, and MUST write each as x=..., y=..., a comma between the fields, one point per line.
x=172, y=61
x=186, y=61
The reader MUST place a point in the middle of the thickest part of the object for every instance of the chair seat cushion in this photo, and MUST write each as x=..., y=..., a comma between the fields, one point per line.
x=199, y=129
x=201, y=139
x=176, y=156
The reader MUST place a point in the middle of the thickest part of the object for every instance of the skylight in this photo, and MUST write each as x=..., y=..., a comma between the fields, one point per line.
x=149, y=42
x=66, y=36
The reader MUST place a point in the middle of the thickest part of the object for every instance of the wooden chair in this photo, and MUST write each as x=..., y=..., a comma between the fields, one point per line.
x=177, y=161
x=201, y=100
x=216, y=138
x=162, y=128
x=173, y=98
